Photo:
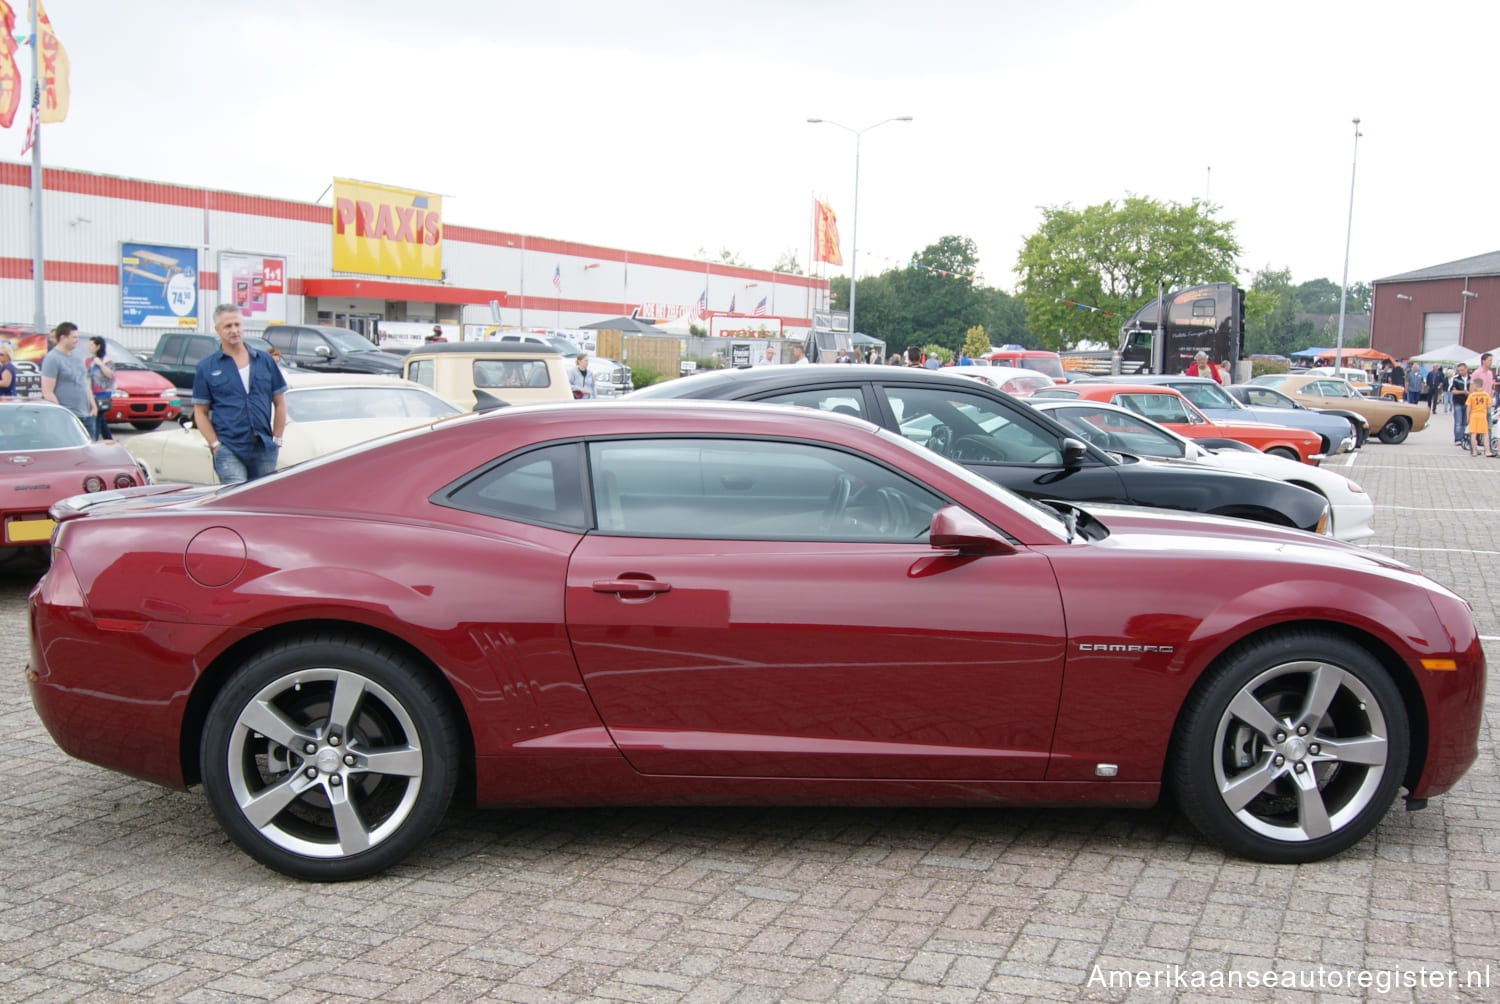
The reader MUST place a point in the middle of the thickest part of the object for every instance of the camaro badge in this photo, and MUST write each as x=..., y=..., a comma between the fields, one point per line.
x=1099, y=646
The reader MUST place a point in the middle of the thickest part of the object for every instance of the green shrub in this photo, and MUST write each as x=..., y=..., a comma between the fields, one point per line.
x=645, y=376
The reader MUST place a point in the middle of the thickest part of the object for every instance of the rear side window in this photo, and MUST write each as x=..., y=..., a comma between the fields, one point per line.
x=171, y=349
x=542, y=486
x=421, y=371
x=197, y=348
x=839, y=400
x=511, y=373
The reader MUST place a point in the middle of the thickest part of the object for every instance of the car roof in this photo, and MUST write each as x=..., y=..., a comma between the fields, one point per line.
x=730, y=383
x=484, y=349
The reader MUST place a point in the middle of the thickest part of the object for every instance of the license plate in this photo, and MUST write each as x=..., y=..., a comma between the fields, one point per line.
x=28, y=531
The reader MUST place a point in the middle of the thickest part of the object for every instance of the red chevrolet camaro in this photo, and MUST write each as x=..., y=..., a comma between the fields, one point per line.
x=721, y=603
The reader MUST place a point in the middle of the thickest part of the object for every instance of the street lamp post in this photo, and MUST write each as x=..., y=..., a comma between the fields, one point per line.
x=854, y=220
x=1338, y=357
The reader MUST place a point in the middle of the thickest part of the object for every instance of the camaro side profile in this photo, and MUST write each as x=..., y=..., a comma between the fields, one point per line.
x=724, y=603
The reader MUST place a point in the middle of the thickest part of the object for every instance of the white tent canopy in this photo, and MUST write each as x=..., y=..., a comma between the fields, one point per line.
x=1450, y=355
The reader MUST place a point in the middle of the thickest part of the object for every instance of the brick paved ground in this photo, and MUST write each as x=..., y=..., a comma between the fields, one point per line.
x=111, y=889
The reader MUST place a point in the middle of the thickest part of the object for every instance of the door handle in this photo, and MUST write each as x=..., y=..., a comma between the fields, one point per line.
x=631, y=586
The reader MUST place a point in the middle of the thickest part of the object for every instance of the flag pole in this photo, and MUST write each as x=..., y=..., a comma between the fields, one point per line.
x=39, y=308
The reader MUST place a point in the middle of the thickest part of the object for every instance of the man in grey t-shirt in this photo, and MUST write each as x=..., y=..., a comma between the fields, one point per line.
x=64, y=379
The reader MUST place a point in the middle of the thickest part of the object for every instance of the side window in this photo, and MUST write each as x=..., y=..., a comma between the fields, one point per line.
x=511, y=373
x=421, y=370
x=752, y=489
x=542, y=486
x=1204, y=395
x=170, y=350
x=280, y=338
x=308, y=343
x=840, y=400
x=972, y=428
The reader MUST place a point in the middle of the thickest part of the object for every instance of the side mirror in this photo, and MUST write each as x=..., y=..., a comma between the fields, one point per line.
x=953, y=528
x=1073, y=452
x=322, y=352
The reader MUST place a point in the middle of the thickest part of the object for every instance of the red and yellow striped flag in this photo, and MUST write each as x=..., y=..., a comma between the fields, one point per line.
x=54, y=70
x=826, y=234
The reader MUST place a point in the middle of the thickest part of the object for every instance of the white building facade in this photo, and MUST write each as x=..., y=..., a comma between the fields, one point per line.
x=132, y=258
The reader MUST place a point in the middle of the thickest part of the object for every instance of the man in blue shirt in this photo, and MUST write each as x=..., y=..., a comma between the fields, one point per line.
x=239, y=402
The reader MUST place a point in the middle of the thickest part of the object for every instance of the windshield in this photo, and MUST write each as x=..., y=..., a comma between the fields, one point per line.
x=122, y=358
x=334, y=404
x=1037, y=514
x=1206, y=395
x=1118, y=431
x=347, y=341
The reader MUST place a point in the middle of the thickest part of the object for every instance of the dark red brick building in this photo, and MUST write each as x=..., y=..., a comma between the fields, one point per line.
x=1457, y=303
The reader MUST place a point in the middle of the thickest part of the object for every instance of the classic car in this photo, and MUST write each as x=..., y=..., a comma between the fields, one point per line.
x=1216, y=402
x=1000, y=438
x=325, y=412
x=1123, y=431
x=1391, y=420
x=481, y=374
x=697, y=603
x=1268, y=399
x=45, y=456
x=1167, y=407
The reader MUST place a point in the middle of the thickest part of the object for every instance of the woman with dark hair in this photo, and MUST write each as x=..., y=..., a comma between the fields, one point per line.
x=102, y=384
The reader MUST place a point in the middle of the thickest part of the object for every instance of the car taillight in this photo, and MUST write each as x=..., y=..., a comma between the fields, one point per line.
x=93, y=483
x=124, y=481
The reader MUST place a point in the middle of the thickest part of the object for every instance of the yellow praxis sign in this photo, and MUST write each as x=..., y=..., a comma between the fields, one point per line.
x=380, y=230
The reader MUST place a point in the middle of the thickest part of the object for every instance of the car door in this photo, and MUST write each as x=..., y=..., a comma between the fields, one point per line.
x=1002, y=440
x=761, y=608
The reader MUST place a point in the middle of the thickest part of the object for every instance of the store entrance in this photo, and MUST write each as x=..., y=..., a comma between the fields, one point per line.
x=364, y=324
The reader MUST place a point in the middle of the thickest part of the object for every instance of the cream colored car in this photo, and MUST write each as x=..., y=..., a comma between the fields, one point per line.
x=325, y=412
x=458, y=371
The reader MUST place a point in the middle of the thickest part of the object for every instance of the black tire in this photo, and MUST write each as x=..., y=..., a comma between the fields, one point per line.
x=1285, y=453
x=382, y=774
x=145, y=426
x=1394, y=431
x=1287, y=800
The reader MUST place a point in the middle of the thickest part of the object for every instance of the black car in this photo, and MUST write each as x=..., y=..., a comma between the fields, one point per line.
x=323, y=349
x=1268, y=397
x=1003, y=439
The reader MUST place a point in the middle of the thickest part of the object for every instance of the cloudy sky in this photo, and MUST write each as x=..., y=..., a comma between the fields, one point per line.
x=669, y=126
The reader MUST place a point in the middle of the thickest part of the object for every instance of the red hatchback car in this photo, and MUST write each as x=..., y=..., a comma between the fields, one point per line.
x=142, y=397
x=724, y=603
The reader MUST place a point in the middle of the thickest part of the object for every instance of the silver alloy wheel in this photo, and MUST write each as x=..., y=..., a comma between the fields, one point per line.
x=324, y=763
x=1300, y=751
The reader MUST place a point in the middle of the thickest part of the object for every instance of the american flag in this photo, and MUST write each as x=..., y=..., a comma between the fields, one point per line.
x=760, y=308
x=36, y=121
x=557, y=278
x=700, y=309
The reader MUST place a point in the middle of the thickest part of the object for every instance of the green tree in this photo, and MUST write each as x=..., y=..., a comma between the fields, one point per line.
x=787, y=262
x=1084, y=272
x=1271, y=307
x=976, y=342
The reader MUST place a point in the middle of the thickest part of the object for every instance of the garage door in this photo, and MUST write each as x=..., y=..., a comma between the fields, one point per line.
x=1439, y=331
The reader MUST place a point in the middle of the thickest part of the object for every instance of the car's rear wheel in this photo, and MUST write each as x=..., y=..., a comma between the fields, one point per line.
x=329, y=758
x=1394, y=431
x=145, y=426
x=1291, y=749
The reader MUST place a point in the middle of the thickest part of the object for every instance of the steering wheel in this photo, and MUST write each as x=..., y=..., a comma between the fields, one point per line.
x=939, y=439
x=838, y=501
x=975, y=448
x=895, y=514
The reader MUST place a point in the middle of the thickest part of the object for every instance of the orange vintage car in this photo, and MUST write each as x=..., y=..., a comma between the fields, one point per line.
x=1167, y=407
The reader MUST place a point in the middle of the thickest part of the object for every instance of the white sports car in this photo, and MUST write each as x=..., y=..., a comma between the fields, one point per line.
x=325, y=412
x=1125, y=432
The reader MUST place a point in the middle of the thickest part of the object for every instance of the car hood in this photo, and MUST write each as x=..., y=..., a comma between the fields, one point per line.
x=1166, y=531
x=141, y=381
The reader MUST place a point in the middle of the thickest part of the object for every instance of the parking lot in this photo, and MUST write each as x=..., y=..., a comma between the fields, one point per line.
x=113, y=889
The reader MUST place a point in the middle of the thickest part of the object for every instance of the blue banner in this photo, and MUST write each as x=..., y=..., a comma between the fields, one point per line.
x=158, y=286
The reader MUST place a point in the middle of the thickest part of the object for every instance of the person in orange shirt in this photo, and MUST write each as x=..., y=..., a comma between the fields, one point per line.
x=1479, y=422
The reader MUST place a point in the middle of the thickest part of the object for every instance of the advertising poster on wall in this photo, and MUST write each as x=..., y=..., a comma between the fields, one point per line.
x=256, y=284
x=158, y=286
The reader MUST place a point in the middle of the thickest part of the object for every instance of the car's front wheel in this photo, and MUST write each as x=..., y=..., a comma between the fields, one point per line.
x=1394, y=431
x=145, y=426
x=1291, y=750
x=329, y=758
